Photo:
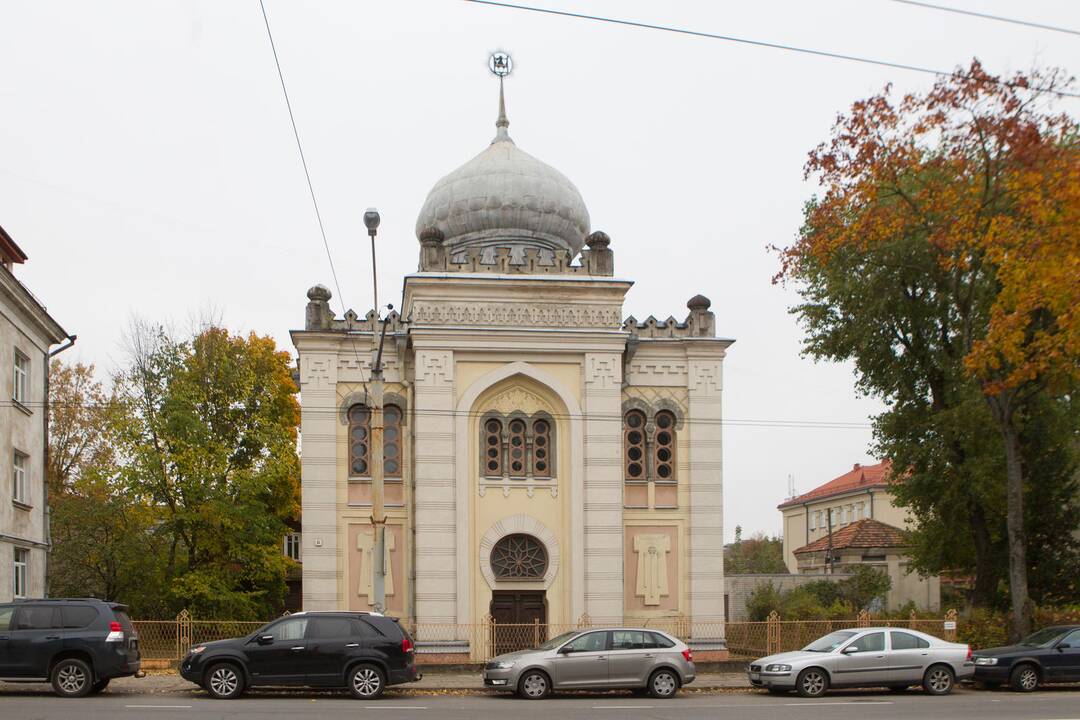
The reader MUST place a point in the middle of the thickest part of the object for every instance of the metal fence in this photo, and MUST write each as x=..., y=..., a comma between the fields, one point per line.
x=170, y=639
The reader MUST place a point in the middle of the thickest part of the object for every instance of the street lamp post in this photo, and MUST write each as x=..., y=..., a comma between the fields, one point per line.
x=375, y=402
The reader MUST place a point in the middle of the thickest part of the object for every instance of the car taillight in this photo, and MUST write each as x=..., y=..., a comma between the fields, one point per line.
x=687, y=655
x=406, y=645
x=116, y=633
x=969, y=655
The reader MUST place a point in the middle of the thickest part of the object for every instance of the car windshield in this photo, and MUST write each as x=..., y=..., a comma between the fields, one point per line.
x=557, y=641
x=1044, y=636
x=830, y=642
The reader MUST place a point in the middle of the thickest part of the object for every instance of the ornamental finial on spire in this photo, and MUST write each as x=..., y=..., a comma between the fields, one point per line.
x=501, y=64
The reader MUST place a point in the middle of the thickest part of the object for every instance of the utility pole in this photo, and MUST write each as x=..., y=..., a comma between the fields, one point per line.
x=828, y=553
x=375, y=403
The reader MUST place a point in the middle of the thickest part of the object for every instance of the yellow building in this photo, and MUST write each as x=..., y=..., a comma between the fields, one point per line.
x=866, y=528
x=545, y=459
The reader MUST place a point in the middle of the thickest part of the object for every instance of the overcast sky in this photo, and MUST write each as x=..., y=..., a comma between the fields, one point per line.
x=147, y=164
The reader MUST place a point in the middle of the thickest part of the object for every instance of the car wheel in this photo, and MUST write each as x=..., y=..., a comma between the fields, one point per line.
x=938, y=680
x=1024, y=678
x=812, y=682
x=224, y=681
x=366, y=682
x=663, y=684
x=534, y=685
x=72, y=677
x=99, y=686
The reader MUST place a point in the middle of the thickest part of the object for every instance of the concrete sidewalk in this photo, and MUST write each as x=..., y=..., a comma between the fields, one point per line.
x=435, y=683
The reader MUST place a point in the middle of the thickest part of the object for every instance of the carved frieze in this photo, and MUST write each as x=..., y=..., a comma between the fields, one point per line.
x=521, y=314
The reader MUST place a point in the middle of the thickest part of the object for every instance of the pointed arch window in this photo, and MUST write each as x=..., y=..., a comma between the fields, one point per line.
x=392, y=442
x=359, y=440
x=634, y=447
x=664, y=447
x=518, y=447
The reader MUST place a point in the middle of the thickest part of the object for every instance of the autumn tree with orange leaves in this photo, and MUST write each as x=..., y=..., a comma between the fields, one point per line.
x=963, y=206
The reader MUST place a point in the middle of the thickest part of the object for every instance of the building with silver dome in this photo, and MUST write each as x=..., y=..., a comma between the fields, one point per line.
x=547, y=462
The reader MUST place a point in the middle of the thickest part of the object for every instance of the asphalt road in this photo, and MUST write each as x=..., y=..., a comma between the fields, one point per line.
x=1051, y=704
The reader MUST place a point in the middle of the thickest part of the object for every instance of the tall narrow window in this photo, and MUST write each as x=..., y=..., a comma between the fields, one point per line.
x=392, y=441
x=292, y=546
x=21, y=388
x=359, y=440
x=541, y=450
x=492, y=448
x=20, y=490
x=516, y=448
x=664, y=447
x=634, y=446
x=22, y=560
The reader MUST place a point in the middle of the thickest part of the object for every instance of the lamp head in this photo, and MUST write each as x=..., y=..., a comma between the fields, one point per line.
x=371, y=221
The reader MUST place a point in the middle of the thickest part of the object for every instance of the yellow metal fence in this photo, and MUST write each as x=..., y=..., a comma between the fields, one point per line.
x=170, y=639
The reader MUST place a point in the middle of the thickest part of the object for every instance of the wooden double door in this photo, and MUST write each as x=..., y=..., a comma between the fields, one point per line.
x=519, y=619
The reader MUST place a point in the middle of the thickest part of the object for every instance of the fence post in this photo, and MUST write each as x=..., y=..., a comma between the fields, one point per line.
x=864, y=619
x=772, y=633
x=950, y=617
x=183, y=633
x=536, y=632
x=912, y=617
x=584, y=621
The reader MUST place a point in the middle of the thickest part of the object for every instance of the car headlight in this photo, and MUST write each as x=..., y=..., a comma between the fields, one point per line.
x=503, y=664
x=778, y=668
x=986, y=661
x=197, y=649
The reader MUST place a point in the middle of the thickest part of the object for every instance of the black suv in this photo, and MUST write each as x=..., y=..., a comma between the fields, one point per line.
x=76, y=644
x=363, y=652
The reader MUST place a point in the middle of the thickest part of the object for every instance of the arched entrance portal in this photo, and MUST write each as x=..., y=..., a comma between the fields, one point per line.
x=519, y=616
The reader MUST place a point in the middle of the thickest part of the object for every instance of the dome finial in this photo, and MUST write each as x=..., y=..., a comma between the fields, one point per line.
x=500, y=63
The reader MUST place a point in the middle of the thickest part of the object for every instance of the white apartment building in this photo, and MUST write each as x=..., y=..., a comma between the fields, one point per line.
x=27, y=333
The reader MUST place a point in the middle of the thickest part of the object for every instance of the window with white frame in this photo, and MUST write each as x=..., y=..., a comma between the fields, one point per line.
x=292, y=546
x=20, y=491
x=19, y=577
x=20, y=392
x=813, y=521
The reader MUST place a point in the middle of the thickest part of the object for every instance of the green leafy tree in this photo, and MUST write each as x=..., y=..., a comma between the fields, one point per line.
x=213, y=442
x=954, y=216
x=757, y=554
x=102, y=533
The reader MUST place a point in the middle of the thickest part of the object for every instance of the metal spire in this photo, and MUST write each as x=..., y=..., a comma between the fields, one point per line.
x=501, y=64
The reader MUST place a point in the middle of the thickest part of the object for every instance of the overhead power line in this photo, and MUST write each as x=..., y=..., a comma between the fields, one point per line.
x=748, y=41
x=303, y=159
x=307, y=176
x=608, y=417
x=987, y=16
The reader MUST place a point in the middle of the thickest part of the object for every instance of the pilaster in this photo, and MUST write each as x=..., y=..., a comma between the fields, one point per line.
x=318, y=471
x=603, y=522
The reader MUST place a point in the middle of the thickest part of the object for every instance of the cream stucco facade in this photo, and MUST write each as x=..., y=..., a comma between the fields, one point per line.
x=558, y=463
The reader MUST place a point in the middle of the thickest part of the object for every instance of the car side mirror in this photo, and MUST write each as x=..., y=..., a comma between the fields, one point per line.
x=265, y=639
x=850, y=649
x=1064, y=646
x=565, y=650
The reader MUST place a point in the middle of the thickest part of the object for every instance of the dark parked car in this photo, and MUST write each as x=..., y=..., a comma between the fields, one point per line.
x=1047, y=656
x=364, y=652
x=78, y=645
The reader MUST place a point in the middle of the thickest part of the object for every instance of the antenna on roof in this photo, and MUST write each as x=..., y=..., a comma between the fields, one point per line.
x=790, y=486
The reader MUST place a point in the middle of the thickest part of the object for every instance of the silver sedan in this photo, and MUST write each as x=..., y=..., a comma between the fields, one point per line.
x=634, y=658
x=896, y=658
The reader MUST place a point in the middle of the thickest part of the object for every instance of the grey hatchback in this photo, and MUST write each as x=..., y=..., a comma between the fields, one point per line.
x=608, y=658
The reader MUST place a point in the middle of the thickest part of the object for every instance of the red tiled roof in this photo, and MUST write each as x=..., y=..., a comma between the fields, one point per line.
x=860, y=477
x=866, y=533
